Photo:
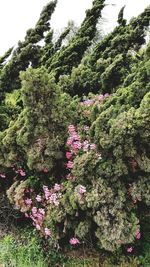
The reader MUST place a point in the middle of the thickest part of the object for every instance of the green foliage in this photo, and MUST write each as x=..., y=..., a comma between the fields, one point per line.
x=106, y=67
x=71, y=55
x=24, y=252
x=40, y=128
x=28, y=52
x=102, y=193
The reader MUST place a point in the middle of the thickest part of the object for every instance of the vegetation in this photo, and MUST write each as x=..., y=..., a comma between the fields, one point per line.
x=75, y=144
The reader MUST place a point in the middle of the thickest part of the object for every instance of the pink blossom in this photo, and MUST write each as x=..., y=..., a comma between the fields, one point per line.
x=75, y=136
x=38, y=198
x=47, y=232
x=69, y=177
x=74, y=241
x=77, y=145
x=100, y=97
x=130, y=249
x=42, y=211
x=106, y=95
x=85, y=147
x=2, y=175
x=53, y=199
x=57, y=187
x=88, y=102
x=39, y=217
x=34, y=210
x=92, y=146
x=138, y=234
x=82, y=189
x=69, y=141
x=45, y=170
x=69, y=165
x=38, y=227
x=71, y=128
x=28, y=201
x=22, y=173
x=68, y=155
x=46, y=192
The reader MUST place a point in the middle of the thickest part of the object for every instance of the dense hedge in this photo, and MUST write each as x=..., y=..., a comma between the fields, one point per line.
x=75, y=134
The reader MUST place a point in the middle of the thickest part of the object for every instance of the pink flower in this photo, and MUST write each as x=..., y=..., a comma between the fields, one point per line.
x=38, y=198
x=34, y=210
x=69, y=141
x=69, y=165
x=47, y=232
x=71, y=128
x=88, y=102
x=69, y=177
x=42, y=211
x=68, y=155
x=100, y=97
x=28, y=201
x=106, y=95
x=46, y=192
x=138, y=234
x=85, y=145
x=130, y=249
x=2, y=175
x=77, y=145
x=22, y=173
x=39, y=217
x=75, y=137
x=53, y=199
x=57, y=187
x=38, y=227
x=92, y=146
x=82, y=189
x=74, y=241
x=45, y=170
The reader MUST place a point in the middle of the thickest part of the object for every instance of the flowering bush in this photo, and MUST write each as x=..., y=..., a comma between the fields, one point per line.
x=84, y=206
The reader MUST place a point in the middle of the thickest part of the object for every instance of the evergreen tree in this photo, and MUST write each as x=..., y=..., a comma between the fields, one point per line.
x=28, y=52
x=105, y=68
x=71, y=55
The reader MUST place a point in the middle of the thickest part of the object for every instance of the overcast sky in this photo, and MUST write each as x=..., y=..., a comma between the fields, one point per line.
x=16, y=16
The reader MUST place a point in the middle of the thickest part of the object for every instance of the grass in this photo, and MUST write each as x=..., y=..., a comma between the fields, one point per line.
x=26, y=251
x=15, y=254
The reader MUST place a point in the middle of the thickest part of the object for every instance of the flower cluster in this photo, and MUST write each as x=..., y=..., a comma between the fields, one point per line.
x=37, y=207
x=89, y=102
x=76, y=145
x=19, y=171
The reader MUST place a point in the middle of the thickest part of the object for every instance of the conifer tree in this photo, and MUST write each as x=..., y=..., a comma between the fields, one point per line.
x=71, y=55
x=28, y=51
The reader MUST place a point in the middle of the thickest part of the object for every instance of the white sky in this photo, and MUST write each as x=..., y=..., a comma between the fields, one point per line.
x=16, y=16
